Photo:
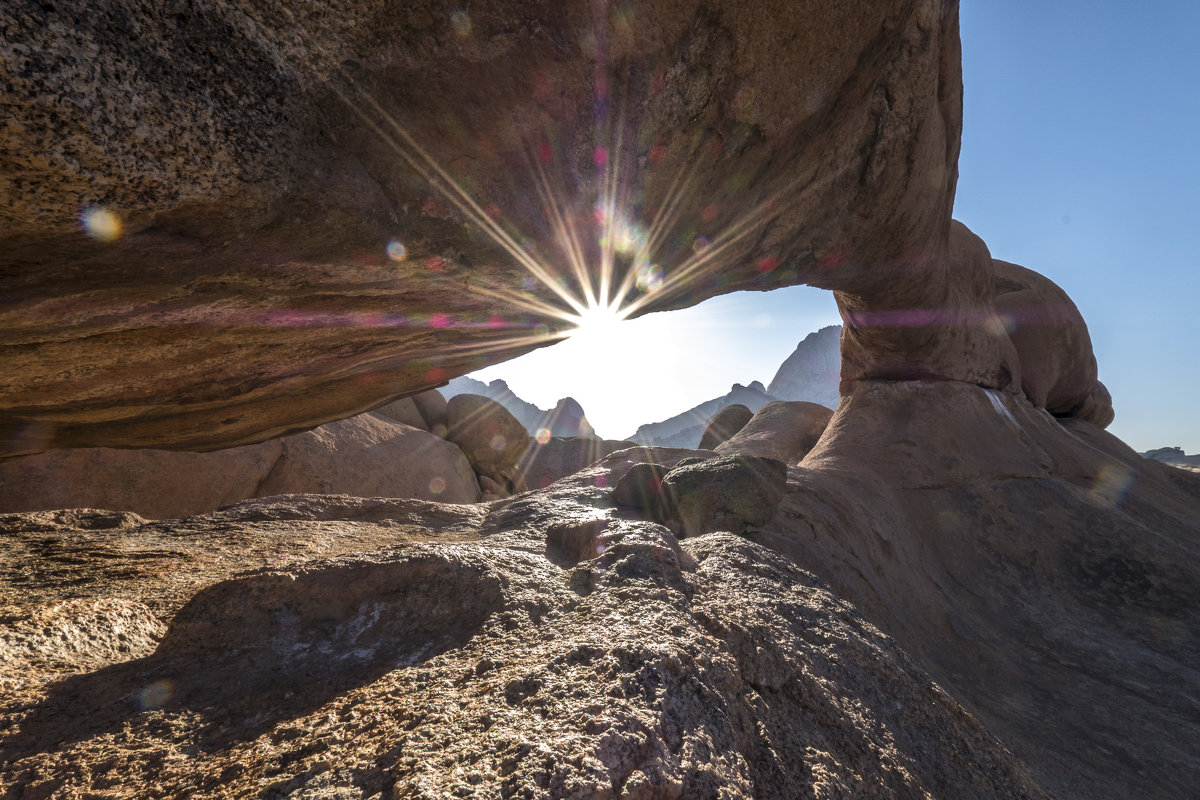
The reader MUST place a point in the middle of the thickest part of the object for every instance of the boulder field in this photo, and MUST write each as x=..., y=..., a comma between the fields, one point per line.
x=226, y=222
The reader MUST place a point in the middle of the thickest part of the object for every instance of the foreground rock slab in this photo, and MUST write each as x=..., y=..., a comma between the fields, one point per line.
x=482, y=660
x=956, y=622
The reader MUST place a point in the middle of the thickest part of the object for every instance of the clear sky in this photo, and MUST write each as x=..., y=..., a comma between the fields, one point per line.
x=1081, y=160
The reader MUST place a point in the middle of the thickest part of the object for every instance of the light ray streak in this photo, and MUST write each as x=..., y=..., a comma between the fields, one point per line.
x=564, y=230
x=459, y=196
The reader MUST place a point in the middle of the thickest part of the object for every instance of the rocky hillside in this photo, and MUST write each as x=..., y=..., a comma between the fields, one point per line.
x=813, y=371
x=685, y=430
x=1174, y=456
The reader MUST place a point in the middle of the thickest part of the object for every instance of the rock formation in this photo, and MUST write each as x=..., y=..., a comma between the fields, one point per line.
x=389, y=452
x=968, y=589
x=785, y=430
x=1174, y=456
x=558, y=641
x=237, y=222
x=493, y=441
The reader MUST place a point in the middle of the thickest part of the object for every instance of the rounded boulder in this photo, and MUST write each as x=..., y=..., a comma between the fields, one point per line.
x=490, y=436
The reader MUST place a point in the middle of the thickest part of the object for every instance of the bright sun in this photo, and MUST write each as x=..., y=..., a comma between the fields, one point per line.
x=597, y=323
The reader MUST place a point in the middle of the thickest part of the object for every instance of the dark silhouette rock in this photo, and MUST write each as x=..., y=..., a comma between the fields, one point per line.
x=543, y=463
x=686, y=429
x=726, y=423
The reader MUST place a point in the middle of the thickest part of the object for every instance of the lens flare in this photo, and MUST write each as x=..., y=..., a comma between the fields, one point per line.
x=396, y=251
x=100, y=223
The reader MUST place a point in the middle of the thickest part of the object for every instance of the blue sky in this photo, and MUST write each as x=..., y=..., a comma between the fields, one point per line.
x=1081, y=160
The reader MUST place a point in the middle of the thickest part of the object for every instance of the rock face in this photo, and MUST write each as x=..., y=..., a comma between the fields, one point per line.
x=371, y=457
x=996, y=571
x=341, y=204
x=1054, y=349
x=783, y=430
x=159, y=484
x=728, y=493
x=367, y=455
x=724, y=424
x=686, y=429
x=330, y=219
x=813, y=371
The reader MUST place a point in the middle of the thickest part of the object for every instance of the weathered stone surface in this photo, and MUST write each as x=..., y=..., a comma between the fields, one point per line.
x=292, y=253
x=728, y=493
x=641, y=488
x=785, y=430
x=735, y=675
x=1043, y=571
x=370, y=456
x=726, y=423
x=543, y=463
x=492, y=439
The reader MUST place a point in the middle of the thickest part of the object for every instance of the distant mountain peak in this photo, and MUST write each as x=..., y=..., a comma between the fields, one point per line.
x=812, y=372
x=565, y=419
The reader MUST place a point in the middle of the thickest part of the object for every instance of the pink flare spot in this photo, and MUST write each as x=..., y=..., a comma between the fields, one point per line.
x=601, y=481
x=709, y=212
x=495, y=322
x=435, y=375
x=600, y=156
x=437, y=485
x=435, y=264
x=659, y=82
x=832, y=261
x=493, y=211
x=767, y=264
x=545, y=154
x=656, y=153
x=543, y=435
x=438, y=321
x=601, y=86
